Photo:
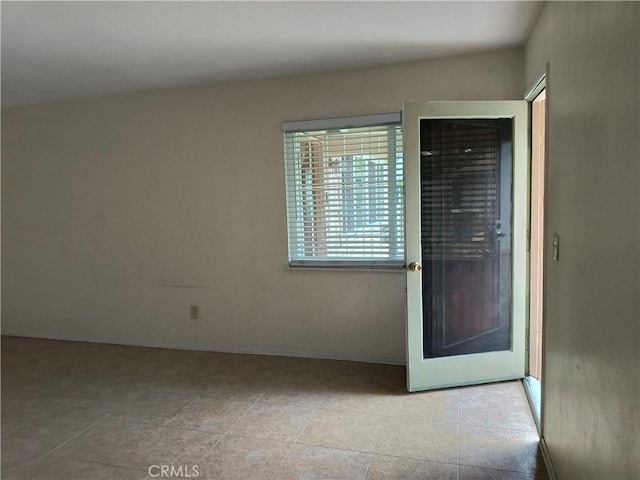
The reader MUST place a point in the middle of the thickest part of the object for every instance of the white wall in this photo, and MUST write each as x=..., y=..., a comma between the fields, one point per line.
x=119, y=212
x=592, y=319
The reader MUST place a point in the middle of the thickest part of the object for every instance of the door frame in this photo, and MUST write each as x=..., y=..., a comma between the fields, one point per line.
x=538, y=411
x=510, y=363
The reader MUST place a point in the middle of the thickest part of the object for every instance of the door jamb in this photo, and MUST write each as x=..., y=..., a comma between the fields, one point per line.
x=541, y=84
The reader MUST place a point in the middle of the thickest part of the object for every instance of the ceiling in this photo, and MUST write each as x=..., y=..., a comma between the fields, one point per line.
x=60, y=50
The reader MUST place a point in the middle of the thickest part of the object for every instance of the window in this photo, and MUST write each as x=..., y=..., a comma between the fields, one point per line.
x=344, y=192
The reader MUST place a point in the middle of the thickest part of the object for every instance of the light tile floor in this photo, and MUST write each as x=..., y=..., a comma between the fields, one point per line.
x=89, y=412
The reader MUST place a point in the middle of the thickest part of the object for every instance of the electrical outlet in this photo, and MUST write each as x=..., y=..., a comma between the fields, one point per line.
x=195, y=312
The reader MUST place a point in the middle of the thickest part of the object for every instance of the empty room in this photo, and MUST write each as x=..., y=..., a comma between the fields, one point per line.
x=320, y=240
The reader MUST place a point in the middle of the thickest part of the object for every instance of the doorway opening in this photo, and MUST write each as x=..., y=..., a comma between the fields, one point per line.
x=533, y=381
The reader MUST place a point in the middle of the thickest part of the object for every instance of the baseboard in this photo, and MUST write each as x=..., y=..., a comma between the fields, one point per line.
x=551, y=472
x=219, y=349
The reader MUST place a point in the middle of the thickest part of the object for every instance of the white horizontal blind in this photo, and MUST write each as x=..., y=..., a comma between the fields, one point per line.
x=344, y=192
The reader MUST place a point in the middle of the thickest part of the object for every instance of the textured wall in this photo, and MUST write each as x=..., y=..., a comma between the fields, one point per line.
x=119, y=212
x=592, y=316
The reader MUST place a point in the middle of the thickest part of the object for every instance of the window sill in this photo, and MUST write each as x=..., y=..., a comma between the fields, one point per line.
x=349, y=268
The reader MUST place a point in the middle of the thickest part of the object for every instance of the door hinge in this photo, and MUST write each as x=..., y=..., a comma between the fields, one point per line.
x=528, y=239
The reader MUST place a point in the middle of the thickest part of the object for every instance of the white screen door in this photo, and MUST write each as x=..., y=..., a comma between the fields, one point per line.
x=466, y=190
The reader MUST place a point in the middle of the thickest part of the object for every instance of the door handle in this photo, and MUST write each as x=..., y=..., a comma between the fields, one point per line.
x=415, y=267
x=500, y=234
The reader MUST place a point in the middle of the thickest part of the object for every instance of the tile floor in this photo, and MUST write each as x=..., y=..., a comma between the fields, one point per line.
x=89, y=412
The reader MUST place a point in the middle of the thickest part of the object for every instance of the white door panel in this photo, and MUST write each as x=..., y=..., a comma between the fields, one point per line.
x=466, y=190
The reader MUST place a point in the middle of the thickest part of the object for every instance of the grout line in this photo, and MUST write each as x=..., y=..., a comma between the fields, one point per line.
x=301, y=444
x=262, y=438
x=248, y=410
x=386, y=410
x=490, y=427
x=181, y=408
x=533, y=475
x=411, y=458
x=75, y=436
x=277, y=470
x=146, y=390
x=292, y=444
x=313, y=417
x=351, y=411
x=366, y=472
x=135, y=469
x=351, y=450
x=416, y=459
x=458, y=462
x=222, y=436
x=458, y=452
x=85, y=460
x=375, y=446
x=425, y=420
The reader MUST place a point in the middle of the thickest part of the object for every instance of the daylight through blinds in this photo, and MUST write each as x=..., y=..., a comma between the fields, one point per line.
x=344, y=195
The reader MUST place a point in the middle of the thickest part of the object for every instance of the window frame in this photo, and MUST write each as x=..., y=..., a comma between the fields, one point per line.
x=294, y=191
